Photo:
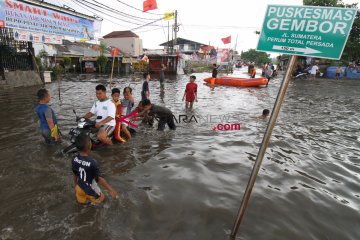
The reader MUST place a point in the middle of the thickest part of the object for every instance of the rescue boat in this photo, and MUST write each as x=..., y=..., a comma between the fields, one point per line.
x=238, y=82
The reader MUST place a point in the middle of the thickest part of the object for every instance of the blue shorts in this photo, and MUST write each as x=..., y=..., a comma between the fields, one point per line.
x=47, y=136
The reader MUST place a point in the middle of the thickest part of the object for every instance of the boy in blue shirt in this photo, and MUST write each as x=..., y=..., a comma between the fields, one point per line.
x=87, y=174
x=48, y=122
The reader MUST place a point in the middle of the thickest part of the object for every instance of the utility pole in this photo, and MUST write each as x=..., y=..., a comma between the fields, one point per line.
x=176, y=29
x=168, y=40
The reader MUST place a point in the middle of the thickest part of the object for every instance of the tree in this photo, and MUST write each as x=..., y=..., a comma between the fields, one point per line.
x=67, y=63
x=102, y=48
x=254, y=56
x=102, y=61
x=43, y=55
x=325, y=3
x=352, y=47
x=39, y=63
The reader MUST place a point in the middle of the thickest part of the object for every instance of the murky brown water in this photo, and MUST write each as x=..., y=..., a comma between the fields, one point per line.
x=188, y=184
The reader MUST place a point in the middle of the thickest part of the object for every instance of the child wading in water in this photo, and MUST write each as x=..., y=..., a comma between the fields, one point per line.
x=265, y=114
x=48, y=122
x=87, y=174
x=190, y=92
x=115, y=94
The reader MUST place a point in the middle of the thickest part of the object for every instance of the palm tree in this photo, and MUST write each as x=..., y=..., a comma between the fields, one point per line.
x=102, y=48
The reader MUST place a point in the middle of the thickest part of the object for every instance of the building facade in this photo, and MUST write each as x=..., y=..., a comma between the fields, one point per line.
x=126, y=41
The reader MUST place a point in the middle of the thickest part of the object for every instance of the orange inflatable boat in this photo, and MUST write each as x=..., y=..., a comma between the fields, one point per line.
x=236, y=81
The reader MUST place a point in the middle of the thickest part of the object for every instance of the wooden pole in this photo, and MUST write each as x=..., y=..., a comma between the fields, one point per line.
x=264, y=144
x=112, y=70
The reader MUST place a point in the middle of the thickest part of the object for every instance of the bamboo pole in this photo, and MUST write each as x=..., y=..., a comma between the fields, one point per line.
x=112, y=70
x=264, y=144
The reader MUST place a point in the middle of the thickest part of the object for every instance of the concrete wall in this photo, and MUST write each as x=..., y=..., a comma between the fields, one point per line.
x=132, y=46
x=22, y=79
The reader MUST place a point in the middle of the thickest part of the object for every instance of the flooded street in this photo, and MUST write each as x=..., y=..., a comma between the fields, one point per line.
x=188, y=184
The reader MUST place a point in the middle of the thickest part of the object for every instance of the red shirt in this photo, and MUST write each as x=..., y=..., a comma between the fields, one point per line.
x=191, y=89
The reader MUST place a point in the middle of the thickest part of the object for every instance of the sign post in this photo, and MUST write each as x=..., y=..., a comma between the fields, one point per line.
x=319, y=32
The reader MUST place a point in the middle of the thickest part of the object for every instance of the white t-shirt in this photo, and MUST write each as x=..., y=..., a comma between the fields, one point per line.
x=104, y=109
x=314, y=69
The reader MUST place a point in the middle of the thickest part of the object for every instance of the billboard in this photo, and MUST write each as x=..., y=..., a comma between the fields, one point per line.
x=28, y=17
x=27, y=36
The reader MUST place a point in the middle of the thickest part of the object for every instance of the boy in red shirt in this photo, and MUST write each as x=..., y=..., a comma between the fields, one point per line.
x=190, y=92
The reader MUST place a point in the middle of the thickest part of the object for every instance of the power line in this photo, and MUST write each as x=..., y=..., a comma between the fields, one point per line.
x=163, y=30
x=212, y=26
x=137, y=8
x=74, y=1
x=82, y=2
x=119, y=12
x=155, y=29
x=183, y=27
x=146, y=24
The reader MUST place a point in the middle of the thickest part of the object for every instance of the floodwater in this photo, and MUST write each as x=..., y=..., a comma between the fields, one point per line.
x=188, y=184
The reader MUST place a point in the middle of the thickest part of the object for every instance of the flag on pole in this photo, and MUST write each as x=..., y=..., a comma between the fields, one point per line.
x=226, y=40
x=169, y=15
x=149, y=5
x=114, y=52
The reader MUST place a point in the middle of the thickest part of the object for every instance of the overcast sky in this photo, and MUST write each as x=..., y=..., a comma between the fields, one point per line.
x=203, y=21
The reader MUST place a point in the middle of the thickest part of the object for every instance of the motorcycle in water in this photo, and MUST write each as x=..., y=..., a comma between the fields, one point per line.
x=301, y=75
x=274, y=73
x=84, y=126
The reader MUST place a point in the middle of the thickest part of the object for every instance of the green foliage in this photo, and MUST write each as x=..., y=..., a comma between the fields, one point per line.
x=39, y=63
x=325, y=3
x=258, y=58
x=43, y=54
x=42, y=63
x=102, y=48
x=67, y=61
x=352, y=48
x=57, y=71
x=102, y=61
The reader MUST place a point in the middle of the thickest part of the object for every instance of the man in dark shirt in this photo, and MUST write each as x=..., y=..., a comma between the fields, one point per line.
x=214, y=71
x=164, y=114
x=145, y=92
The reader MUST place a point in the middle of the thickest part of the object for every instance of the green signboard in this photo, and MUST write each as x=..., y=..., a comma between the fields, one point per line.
x=306, y=30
